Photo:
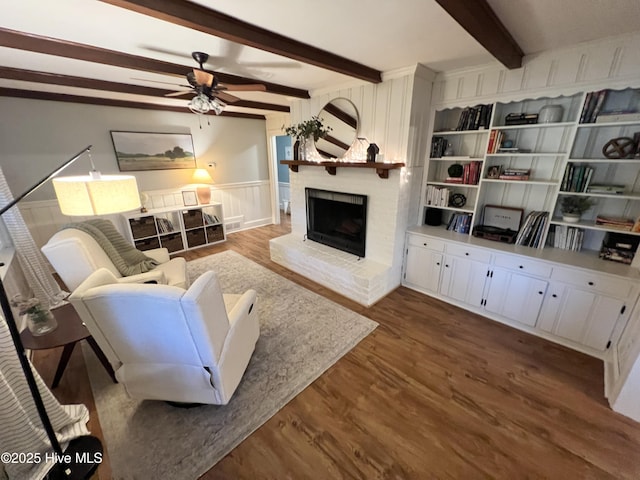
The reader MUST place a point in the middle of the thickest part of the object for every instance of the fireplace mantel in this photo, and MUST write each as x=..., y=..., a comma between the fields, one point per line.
x=382, y=169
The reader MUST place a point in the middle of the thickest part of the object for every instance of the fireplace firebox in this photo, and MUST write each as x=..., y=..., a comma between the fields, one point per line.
x=337, y=219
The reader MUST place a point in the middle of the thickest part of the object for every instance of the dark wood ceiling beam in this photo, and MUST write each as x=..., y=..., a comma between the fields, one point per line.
x=212, y=22
x=89, y=53
x=109, y=102
x=477, y=18
x=103, y=85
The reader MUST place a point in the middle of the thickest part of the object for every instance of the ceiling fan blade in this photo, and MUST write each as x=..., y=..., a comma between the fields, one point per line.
x=250, y=87
x=158, y=81
x=202, y=77
x=227, y=97
x=177, y=94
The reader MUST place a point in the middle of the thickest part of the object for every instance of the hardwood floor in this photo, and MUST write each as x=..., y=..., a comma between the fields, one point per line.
x=433, y=392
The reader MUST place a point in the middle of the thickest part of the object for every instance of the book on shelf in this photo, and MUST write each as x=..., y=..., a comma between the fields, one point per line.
x=566, y=238
x=577, y=178
x=437, y=196
x=460, y=222
x=592, y=106
x=513, y=150
x=616, y=189
x=453, y=180
x=618, y=116
x=475, y=118
x=615, y=223
x=515, y=178
x=532, y=230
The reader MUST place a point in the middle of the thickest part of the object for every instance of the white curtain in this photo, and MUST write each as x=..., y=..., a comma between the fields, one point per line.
x=22, y=430
x=33, y=264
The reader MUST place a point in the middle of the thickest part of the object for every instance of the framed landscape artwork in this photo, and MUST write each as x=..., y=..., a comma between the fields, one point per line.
x=153, y=151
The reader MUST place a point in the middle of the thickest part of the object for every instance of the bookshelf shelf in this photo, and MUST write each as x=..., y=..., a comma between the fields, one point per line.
x=534, y=125
x=451, y=184
x=523, y=182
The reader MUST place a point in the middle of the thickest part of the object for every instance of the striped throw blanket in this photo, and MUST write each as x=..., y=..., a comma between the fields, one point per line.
x=126, y=258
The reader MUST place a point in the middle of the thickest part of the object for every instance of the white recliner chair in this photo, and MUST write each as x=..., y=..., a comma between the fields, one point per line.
x=75, y=255
x=168, y=343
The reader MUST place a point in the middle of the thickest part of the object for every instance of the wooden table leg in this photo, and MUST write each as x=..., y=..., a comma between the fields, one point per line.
x=62, y=364
x=103, y=359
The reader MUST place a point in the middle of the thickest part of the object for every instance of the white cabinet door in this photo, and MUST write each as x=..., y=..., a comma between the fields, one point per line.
x=463, y=280
x=514, y=296
x=422, y=268
x=587, y=318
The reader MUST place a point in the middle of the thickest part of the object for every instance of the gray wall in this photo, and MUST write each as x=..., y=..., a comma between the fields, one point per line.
x=36, y=136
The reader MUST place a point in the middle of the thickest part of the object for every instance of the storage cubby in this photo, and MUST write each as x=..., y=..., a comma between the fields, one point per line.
x=177, y=228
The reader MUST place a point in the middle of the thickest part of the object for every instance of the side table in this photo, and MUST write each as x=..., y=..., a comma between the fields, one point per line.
x=69, y=332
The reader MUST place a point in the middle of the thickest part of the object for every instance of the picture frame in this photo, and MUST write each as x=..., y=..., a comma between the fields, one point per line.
x=494, y=171
x=288, y=153
x=143, y=151
x=189, y=198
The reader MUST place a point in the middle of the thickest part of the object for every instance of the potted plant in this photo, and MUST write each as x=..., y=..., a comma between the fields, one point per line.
x=303, y=132
x=573, y=206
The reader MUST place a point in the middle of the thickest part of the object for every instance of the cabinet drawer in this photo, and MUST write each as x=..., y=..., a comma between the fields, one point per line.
x=523, y=265
x=469, y=252
x=426, y=242
x=616, y=287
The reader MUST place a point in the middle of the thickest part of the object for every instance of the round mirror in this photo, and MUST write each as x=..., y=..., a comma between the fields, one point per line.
x=342, y=116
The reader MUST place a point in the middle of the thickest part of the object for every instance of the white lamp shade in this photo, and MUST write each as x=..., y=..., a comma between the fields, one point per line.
x=84, y=195
x=200, y=175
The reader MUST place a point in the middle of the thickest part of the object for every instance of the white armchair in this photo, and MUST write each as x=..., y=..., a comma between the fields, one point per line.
x=75, y=255
x=168, y=343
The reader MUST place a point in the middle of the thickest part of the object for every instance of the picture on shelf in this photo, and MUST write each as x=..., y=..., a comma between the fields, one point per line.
x=189, y=198
x=494, y=171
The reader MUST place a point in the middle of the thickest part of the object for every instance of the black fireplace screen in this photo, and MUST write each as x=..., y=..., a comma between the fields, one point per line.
x=337, y=219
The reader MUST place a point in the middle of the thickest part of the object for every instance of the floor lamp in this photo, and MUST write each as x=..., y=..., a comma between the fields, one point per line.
x=81, y=195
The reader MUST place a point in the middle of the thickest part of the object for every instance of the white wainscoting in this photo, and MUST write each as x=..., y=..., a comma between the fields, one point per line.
x=610, y=63
x=246, y=205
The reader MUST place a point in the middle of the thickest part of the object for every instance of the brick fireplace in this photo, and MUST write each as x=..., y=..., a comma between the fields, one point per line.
x=362, y=279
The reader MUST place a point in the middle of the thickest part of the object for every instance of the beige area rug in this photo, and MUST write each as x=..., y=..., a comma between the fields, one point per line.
x=302, y=335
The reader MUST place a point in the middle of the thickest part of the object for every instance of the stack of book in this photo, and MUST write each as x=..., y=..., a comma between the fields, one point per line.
x=577, y=178
x=515, y=174
x=437, y=196
x=566, y=238
x=438, y=146
x=460, y=222
x=592, y=106
x=530, y=235
x=475, y=118
x=615, y=223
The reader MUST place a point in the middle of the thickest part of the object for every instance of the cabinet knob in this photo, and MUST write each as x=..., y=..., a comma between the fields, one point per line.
x=425, y=244
x=554, y=295
x=446, y=265
x=540, y=292
x=438, y=263
x=521, y=266
x=466, y=253
x=591, y=284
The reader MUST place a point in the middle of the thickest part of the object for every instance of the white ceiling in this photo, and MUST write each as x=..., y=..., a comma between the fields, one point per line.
x=382, y=34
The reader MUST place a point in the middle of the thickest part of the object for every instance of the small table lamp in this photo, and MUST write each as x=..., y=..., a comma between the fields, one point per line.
x=201, y=176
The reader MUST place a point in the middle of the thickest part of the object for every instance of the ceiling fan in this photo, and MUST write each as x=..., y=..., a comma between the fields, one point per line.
x=210, y=93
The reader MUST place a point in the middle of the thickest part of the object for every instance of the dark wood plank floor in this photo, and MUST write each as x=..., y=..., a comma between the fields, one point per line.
x=433, y=392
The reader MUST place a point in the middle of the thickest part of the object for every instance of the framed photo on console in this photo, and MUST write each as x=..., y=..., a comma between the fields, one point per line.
x=139, y=151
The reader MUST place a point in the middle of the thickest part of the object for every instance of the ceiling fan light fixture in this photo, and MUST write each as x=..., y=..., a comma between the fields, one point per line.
x=199, y=104
x=217, y=106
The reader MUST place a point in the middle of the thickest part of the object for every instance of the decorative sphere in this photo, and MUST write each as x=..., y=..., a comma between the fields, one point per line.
x=507, y=143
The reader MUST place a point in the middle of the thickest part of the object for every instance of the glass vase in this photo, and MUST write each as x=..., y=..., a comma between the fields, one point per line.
x=40, y=321
x=302, y=148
